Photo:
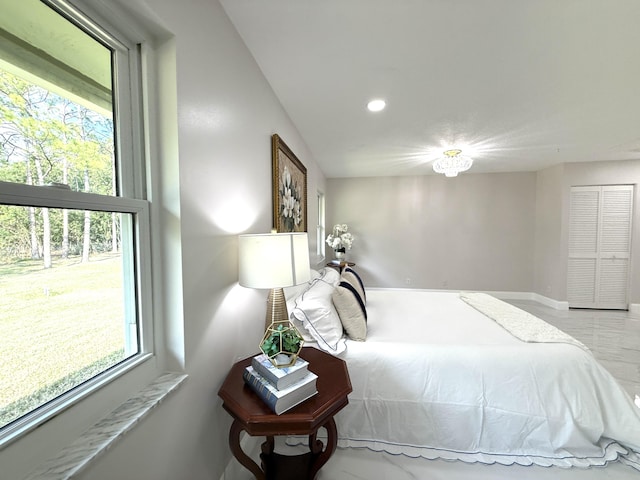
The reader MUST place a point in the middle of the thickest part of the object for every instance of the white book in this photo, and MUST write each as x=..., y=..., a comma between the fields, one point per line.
x=279, y=377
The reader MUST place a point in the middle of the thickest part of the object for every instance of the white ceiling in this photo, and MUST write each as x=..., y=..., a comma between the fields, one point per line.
x=518, y=84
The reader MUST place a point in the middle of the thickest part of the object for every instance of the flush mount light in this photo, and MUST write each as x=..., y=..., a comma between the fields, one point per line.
x=452, y=163
x=376, y=105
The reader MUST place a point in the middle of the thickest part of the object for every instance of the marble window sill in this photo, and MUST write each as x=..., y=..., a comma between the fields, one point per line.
x=74, y=458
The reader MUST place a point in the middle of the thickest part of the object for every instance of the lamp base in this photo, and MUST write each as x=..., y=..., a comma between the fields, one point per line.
x=276, y=308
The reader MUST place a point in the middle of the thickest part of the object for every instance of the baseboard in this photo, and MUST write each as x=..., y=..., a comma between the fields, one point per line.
x=535, y=297
x=550, y=302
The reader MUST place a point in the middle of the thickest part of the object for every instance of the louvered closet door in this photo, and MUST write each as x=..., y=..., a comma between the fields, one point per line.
x=599, y=246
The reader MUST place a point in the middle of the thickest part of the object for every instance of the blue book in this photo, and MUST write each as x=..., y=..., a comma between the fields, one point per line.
x=279, y=401
x=279, y=377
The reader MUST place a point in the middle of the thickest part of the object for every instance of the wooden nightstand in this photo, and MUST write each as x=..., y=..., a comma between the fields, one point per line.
x=340, y=266
x=253, y=416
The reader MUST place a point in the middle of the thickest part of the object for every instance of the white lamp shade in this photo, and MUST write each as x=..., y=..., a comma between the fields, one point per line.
x=273, y=260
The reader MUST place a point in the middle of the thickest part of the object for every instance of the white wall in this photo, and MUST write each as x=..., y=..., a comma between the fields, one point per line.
x=548, y=256
x=227, y=113
x=475, y=231
x=554, y=186
x=496, y=232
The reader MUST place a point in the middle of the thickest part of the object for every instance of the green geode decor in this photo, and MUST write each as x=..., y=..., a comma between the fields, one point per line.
x=282, y=343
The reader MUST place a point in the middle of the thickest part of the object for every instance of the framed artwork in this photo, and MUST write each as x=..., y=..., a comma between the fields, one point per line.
x=289, y=188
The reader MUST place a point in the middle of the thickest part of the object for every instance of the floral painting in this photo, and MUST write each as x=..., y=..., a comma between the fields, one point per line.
x=289, y=189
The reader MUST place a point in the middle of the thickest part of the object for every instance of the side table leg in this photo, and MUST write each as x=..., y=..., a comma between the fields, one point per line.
x=243, y=458
x=267, y=450
x=316, y=445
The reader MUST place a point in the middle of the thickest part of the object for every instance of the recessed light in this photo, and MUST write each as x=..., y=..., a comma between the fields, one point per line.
x=376, y=105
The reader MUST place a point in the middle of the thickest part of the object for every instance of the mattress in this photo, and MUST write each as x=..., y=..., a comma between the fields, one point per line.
x=437, y=378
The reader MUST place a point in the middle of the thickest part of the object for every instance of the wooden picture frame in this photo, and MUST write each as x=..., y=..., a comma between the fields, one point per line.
x=289, y=188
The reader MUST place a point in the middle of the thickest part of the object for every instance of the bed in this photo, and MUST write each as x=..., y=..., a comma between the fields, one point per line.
x=464, y=376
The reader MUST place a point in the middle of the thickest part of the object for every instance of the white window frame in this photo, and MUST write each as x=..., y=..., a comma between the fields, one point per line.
x=321, y=228
x=139, y=370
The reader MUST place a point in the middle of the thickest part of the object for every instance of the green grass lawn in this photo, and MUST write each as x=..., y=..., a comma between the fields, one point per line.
x=58, y=327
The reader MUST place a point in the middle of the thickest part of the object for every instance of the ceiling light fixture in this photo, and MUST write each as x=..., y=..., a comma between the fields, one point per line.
x=452, y=163
x=376, y=105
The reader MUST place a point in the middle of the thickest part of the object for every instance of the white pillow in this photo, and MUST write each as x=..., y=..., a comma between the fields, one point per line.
x=291, y=293
x=313, y=313
x=330, y=275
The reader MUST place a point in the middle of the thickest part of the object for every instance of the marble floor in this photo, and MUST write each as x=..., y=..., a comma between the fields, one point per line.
x=613, y=337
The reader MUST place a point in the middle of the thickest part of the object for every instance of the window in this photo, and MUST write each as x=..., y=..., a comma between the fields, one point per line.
x=74, y=224
x=321, y=228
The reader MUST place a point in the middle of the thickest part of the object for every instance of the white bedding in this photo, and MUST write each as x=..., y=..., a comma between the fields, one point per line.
x=437, y=378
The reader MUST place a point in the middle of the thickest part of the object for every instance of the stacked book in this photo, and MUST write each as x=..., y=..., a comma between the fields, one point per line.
x=280, y=388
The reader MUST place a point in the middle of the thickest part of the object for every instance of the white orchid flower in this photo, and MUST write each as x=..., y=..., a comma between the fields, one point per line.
x=286, y=177
x=288, y=203
x=340, y=238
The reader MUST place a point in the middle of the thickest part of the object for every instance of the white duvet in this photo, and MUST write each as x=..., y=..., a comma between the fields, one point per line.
x=437, y=378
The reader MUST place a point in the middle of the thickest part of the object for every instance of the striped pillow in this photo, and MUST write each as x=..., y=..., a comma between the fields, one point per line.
x=351, y=310
x=354, y=279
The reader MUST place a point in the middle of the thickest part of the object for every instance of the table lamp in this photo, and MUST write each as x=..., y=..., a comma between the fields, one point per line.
x=274, y=261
